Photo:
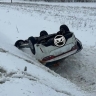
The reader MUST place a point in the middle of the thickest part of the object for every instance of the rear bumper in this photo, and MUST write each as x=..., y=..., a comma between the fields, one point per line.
x=64, y=55
x=53, y=58
x=78, y=47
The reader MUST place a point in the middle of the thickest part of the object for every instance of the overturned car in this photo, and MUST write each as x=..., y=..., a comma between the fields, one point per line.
x=52, y=47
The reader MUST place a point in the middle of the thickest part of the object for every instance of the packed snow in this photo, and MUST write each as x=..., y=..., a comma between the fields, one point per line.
x=22, y=75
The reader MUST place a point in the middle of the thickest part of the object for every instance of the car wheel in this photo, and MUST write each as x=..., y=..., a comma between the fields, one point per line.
x=32, y=41
x=64, y=27
x=43, y=33
x=18, y=43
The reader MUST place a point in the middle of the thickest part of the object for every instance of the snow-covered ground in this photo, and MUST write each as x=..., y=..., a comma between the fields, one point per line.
x=19, y=21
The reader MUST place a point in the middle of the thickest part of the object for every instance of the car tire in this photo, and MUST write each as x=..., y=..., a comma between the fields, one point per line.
x=43, y=33
x=32, y=41
x=18, y=43
x=65, y=27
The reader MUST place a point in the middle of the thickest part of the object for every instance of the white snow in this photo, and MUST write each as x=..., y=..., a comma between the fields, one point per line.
x=19, y=21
